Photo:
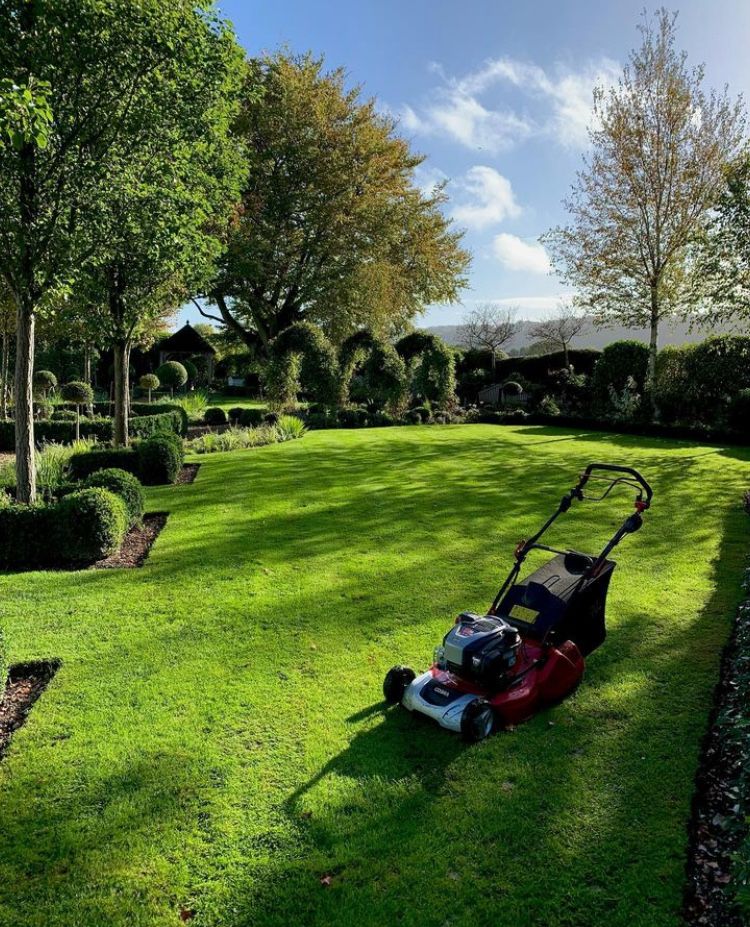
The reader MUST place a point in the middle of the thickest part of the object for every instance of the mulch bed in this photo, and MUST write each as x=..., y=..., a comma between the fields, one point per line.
x=188, y=473
x=718, y=826
x=26, y=682
x=137, y=544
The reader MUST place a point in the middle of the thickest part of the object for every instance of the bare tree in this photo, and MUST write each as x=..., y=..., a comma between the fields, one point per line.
x=658, y=152
x=488, y=328
x=560, y=329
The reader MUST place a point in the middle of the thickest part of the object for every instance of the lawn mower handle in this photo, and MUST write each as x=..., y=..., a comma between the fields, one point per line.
x=613, y=468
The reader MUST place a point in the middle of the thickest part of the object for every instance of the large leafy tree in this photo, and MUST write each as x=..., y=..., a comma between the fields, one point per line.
x=332, y=228
x=656, y=166
x=81, y=78
x=721, y=270
x=160, y=225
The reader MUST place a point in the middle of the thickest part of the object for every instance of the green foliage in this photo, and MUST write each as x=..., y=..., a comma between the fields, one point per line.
x=548, y=406
x=52, y=467
x=83, y=464
x=383, y=381
x=26, y=540
x=343, y=235
x=44, y=380
x=432, y=366
x=739, y=411
x=619, y=363
x=234, y=439
x=124, y=485
x=215, y=416
x=191, y=370
x=672, y=390
x=194, y=404
x=88, y=525
x=63, y=415
x=77, y=392
x=249, y=418
x=172, y=374
x=149, y=381
x=289, y=427
x=26, y=116
x=160, y=459
x=302, y=358
x=717, y=369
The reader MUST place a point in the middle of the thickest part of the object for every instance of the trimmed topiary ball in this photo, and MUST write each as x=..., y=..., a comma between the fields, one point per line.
x=172, y=374
x=160, y=459
x=191, y=370
x=215, y=416
x=251, y=418
x=77, y=392
x=89, y=525
x=44, y=381
x=124, y=485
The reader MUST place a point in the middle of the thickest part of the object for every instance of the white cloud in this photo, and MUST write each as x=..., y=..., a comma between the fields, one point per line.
x=564, y=98
x=463, y=117
x=516, y=254
x=488, y=198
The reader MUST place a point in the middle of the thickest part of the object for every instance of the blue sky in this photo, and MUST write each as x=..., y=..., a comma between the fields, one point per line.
x=497, y=95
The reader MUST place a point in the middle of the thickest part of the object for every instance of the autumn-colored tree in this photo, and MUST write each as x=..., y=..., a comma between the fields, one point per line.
x=333, y=228
x=658, y=149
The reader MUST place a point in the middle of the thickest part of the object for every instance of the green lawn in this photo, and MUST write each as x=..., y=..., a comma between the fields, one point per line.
x=234, y=402
x=215, y=739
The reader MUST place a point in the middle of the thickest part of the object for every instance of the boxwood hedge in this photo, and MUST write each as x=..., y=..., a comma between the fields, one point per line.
x=78, y=530
x=124, y=485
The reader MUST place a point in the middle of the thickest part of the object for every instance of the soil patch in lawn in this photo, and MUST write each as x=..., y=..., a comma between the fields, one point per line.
x=188, y=473
x=137, y=544
x=717, y=827
x=26, y=682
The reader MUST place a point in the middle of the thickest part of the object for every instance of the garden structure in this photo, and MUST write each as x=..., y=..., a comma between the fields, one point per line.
x=184, y=345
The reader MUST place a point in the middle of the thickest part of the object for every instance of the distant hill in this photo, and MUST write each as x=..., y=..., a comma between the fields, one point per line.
x=669, y=333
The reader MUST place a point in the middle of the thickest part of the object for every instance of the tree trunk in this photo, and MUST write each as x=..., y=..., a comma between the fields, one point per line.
x=566, y=363
x=4, y=364
x=87, y=376
x=24, y=407
x=78, y=422
x=494, y=364
x=121, y=350
x=653, y=349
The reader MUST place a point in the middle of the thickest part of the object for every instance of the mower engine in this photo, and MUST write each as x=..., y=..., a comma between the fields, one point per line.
x=481, y=649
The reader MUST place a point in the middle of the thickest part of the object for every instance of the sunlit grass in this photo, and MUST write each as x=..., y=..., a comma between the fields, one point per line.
x=215, y=741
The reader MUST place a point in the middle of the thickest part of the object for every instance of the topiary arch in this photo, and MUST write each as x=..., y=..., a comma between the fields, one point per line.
x=302, y=358
x=433, y=367
x=384, y=374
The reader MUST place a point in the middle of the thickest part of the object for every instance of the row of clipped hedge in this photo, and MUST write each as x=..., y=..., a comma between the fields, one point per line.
x=155, y=461
x=142, y=425
x=77, y=530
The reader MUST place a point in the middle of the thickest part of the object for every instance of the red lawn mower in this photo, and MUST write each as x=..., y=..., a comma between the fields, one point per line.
x=528, y=651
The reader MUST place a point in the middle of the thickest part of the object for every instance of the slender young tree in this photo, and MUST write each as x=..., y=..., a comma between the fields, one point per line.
x=658, y=149
x=560, y=329
x=83, y=77
x=488, y=328
x=332, y=228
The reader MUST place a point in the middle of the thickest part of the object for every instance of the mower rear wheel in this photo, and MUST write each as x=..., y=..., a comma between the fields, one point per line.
x=477, y=721
x=396, y=682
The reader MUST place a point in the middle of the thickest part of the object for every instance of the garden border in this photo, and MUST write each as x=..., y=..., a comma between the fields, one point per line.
x=24, y=685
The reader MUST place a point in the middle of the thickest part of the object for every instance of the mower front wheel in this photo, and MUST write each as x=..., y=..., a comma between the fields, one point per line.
x=477, y=721
x=396, y=682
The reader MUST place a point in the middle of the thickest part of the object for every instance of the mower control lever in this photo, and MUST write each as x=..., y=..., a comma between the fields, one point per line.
x=613, y=468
